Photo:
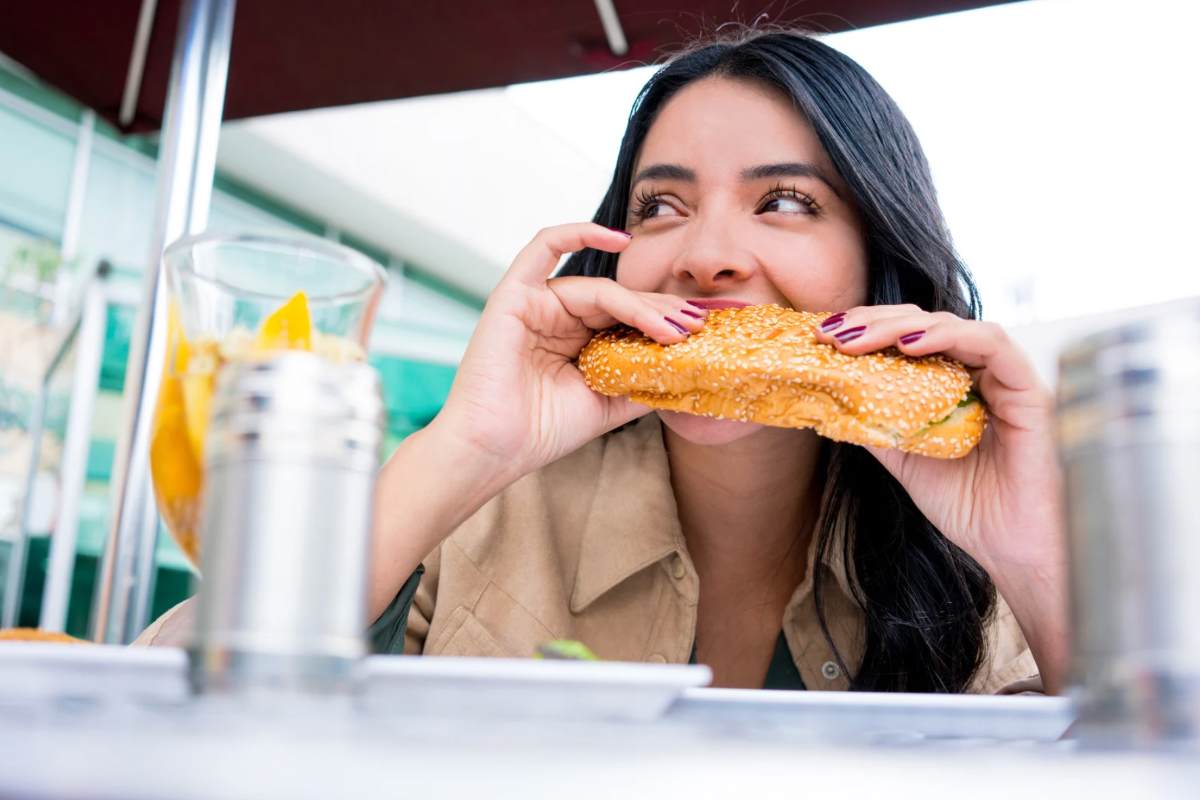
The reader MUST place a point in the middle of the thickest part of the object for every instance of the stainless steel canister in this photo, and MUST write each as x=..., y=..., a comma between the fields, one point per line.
x=1129, y=417
x=291, y=456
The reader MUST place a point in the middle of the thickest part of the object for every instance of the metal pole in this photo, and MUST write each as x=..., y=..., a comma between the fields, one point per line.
x=89, y=351
x=186, y=165
x=73, y=219
x=137, y=62
x=88, y=328
x=611, y=23
x=14, y=582
x=68, y=251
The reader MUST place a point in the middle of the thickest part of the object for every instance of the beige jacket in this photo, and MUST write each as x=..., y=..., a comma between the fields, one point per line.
x=590, y=548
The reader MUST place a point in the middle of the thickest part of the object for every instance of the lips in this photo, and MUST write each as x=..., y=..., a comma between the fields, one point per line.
x=714, y=303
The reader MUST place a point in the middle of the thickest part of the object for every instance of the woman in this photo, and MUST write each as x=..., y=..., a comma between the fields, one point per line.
x=771, y=169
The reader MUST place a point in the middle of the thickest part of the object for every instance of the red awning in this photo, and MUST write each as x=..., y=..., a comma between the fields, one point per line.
x=290, y=55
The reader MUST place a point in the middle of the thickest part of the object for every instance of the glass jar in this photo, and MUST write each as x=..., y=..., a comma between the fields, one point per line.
x=238, y=298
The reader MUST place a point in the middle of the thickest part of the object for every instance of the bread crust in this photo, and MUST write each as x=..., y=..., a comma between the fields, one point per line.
x=764, y=364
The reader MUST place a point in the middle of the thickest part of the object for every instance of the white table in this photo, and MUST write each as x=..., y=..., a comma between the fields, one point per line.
x=148, y=738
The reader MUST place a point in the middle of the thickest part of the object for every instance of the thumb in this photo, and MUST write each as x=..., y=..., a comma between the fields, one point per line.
x=621, y=411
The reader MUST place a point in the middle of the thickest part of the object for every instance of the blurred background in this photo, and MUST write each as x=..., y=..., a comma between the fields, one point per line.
x=1061, y=135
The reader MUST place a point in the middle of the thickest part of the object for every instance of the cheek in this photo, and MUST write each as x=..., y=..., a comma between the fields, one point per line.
x=641, y=269
x=828, y=274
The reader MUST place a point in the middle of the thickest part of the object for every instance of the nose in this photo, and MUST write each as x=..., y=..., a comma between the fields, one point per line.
x=712, y=257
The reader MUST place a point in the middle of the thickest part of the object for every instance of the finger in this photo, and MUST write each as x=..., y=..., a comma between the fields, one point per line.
x=860, y=315
x=867, y=336
x=600, y=302
x=538, y=259
x=678, y=311
x=620, y=411
x=981, y=346
x=976, y=344
x=1023, y=410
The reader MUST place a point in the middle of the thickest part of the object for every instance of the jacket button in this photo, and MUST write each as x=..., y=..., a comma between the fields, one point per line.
x=657, y=658
x=830, y=671
x=677, y=568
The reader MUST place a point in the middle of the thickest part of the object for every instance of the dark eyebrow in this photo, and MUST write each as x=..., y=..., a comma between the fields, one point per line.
x=791, y=169
x=664, y=172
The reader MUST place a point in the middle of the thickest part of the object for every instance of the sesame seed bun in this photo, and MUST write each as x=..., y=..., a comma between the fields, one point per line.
x=764, y=364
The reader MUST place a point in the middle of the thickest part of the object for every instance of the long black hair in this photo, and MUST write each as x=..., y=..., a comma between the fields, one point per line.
x=926, y=602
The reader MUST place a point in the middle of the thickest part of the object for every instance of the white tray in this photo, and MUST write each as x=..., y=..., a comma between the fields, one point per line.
x=526, y=688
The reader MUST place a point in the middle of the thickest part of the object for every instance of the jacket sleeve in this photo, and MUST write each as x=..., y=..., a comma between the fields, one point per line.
x=173, y=628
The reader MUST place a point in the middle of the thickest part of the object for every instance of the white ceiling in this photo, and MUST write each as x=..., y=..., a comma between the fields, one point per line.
x=455, y=183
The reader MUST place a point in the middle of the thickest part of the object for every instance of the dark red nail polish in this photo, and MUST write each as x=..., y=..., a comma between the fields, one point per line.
x=691, y=314
x=676, y=325
x=909, y=338
x=834, y=322
x=618, y=230
x=693, y=305
x=850, y=334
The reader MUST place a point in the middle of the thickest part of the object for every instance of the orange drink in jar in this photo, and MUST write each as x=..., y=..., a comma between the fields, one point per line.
x=235, y=298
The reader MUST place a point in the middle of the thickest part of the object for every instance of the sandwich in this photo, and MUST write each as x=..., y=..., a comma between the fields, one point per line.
x=764, y=364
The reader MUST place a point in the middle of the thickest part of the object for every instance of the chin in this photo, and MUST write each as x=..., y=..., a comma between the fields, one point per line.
x=706, y=430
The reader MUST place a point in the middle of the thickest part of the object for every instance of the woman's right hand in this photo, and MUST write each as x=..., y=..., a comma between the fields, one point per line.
x=518, y=399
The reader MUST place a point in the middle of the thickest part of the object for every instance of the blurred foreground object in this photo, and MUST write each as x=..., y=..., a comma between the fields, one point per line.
x=565, y=650
x=35, y=635
x=1129, y=429
x=291, y=454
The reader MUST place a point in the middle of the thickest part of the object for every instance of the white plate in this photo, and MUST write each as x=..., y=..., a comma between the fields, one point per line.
x=876, y=717
x=526, y=688
x=38, y=672
x=42, y=675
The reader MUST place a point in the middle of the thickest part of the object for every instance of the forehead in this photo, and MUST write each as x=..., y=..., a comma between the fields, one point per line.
x=721, y=125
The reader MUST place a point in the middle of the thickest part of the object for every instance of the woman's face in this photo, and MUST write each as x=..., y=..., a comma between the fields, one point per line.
x=733, y=197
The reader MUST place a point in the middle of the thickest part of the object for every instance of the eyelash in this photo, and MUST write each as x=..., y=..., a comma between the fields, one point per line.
x=644, y=200
x=792, y=193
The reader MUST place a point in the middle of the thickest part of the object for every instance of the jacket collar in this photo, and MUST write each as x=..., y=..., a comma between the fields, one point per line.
x=633, y=521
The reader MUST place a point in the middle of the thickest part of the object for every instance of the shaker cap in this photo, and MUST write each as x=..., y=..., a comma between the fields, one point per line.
x=297, y=405
x=1134, y=381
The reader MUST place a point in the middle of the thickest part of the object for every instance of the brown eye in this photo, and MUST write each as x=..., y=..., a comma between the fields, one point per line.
x=788, y=201
x=786, y=205
x=653, y=206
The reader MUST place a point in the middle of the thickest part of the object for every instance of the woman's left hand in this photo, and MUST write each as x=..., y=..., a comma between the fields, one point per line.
x=1002, y=503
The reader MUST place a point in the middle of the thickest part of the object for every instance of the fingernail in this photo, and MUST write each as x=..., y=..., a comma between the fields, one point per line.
x=692, y=314
x=909, y=338
x=693, y=305
x=850, y=334
x=834, y=322
x=626, y=234
x=676, y=325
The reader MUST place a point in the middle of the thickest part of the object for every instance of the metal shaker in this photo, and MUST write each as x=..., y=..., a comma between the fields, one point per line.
x=1129, y=428
x=291, y=457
